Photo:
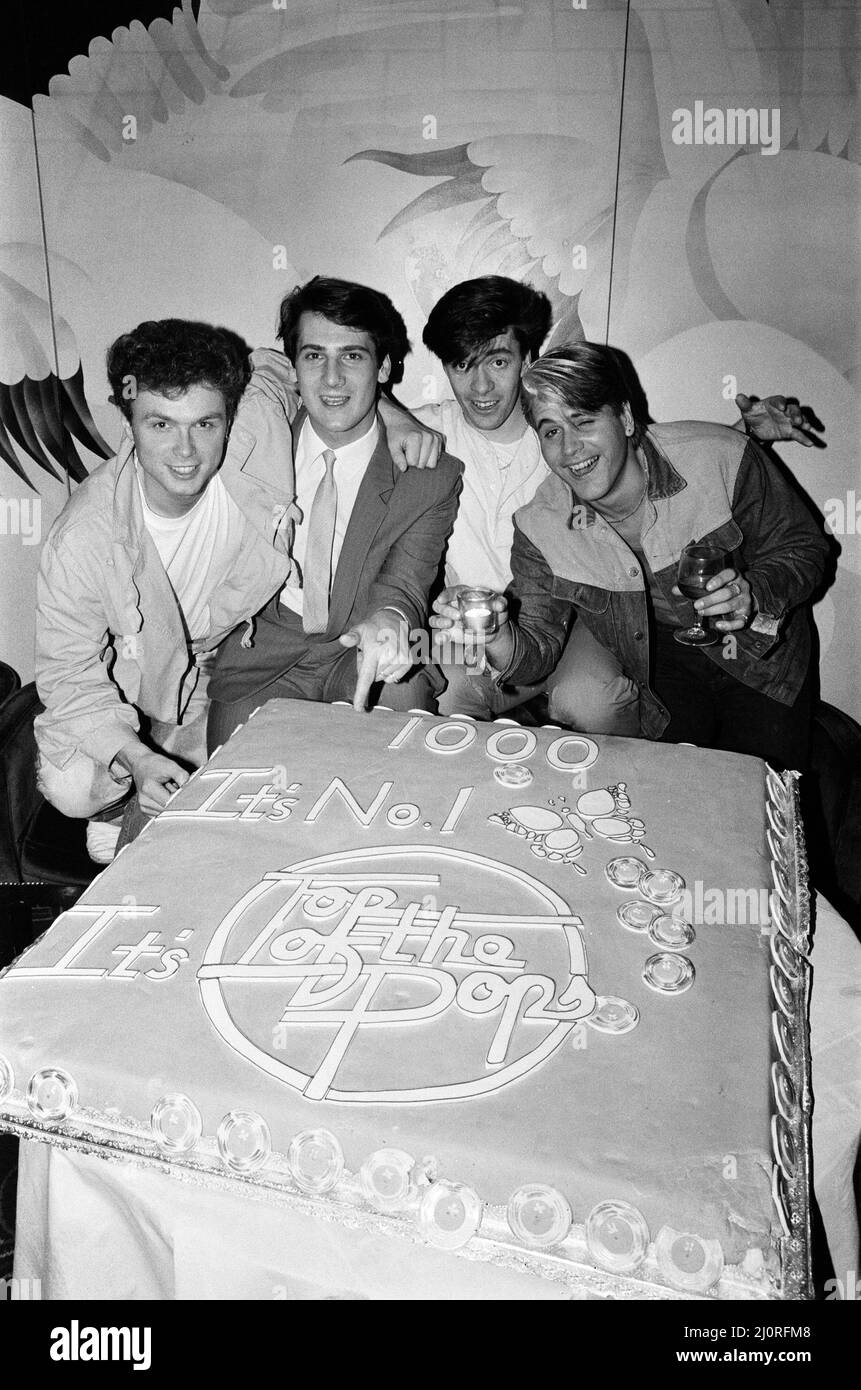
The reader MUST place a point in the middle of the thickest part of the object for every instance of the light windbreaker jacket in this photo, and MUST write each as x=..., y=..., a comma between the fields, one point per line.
x=110, y=640
x=705, y=482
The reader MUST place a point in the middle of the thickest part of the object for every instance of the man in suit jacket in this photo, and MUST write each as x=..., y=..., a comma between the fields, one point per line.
x=369, y=545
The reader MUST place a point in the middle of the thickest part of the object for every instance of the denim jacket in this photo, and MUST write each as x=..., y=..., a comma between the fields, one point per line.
x=110, y=639
x=704, y=482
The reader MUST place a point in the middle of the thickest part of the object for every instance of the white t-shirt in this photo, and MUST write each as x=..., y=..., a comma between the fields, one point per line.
x=197, y=550
x=351, y=462
x=497, y=479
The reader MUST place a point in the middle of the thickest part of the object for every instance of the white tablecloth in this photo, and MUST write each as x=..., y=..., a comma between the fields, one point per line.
x=94, y=1229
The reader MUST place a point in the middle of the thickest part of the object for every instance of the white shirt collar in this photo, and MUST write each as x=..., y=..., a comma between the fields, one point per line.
x=354, y=455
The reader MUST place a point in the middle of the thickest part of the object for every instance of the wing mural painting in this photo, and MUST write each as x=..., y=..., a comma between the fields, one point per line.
x=44, y=418
x=42, y=413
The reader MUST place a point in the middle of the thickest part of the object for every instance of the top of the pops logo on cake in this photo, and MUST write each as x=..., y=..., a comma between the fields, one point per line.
x=475, y=969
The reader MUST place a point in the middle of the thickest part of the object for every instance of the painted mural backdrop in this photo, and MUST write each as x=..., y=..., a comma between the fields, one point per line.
x=681, y=178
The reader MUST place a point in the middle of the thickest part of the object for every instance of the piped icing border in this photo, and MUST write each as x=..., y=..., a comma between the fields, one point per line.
x=606, y=1252
x=790, y=985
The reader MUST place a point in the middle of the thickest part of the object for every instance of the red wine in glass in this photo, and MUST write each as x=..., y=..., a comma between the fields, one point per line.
x=697, y=565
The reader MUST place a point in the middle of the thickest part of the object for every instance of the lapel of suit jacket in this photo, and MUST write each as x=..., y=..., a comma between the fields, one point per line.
x=369, y=510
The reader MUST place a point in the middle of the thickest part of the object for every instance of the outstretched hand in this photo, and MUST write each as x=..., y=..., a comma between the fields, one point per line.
x=780, y=417
x=382, y=644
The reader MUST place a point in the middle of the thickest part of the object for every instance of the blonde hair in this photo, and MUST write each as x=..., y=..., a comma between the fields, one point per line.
x=583, y=376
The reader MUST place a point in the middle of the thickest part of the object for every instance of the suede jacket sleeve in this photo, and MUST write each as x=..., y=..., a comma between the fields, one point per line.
x=541, y=622
x=785, y=550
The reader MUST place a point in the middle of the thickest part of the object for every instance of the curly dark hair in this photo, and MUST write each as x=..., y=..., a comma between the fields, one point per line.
x=172, y=355
x=351, y=306
x=473, y=313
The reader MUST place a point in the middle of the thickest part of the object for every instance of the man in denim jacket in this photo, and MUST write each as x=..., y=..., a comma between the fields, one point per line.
x=600, y=543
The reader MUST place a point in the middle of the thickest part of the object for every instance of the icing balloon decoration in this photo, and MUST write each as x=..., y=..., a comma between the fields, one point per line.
x=560, y=835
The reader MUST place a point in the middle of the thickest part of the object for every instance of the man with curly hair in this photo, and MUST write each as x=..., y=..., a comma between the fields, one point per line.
x=158, y=555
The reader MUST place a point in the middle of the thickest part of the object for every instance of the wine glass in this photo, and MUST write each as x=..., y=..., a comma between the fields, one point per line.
x=697, y=565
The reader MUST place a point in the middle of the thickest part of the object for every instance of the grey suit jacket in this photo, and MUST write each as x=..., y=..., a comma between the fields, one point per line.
x=390, y=558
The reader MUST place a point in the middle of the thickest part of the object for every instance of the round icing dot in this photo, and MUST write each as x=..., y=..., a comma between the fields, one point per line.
x=539, y=1215
x=387, y=1179
x=617, y=1236
x=668, y=973
x=316, y=1160
x=784, y=1146
x=662, y=885
x=625, y=872
x=7, y=1078
x=668, y=931
x=637, y=915
x=614, y=1015
x=243, y=1141
x=688, y=1261
x=449, y=1214
x=51, y=1094
x=784, y=1091
x=176, y=1124
x=513, y=775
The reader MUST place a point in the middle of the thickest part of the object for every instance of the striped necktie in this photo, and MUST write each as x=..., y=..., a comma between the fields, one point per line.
x=317, y=569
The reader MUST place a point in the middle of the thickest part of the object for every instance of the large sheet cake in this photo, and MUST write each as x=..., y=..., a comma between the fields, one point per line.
x=533, y=999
